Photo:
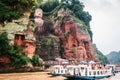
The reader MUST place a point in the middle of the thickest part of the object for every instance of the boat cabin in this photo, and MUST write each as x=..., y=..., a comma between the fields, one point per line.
x=58, y=70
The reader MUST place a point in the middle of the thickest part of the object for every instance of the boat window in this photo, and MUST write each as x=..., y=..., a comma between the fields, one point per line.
x=105, y=71
x=89, y=73
x=98, y=72
x=82, y=68
x=101, y=72
x=65, y=71
x=55, y=68
x=94, y=72
x=61, y=71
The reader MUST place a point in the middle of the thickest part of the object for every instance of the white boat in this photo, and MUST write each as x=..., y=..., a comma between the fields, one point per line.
x=80, y=72
x=86, y=72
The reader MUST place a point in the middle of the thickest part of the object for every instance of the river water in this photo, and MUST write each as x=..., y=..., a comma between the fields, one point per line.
x=29, y=76
x=41, y=76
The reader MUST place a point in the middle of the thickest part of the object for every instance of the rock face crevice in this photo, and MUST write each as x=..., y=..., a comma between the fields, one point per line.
x=74, y=40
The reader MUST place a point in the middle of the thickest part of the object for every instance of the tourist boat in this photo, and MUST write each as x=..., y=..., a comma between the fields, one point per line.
x=81, y=71
x=85, y=72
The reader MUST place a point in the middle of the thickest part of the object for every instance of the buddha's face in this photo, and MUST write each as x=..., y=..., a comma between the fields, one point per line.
x=38, y=13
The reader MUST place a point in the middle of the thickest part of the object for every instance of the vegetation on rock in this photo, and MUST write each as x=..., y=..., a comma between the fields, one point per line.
x=51, y=7
x=102, y=58
x=14, y=9
x=4, y=44
x=36, y=61
x=18, y=58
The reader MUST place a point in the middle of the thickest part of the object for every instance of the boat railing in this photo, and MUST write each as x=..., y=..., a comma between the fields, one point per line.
x=59, y=69
x=99, y=72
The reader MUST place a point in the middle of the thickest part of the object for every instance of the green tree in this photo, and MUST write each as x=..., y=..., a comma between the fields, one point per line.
x=49, y=5
x=18, y=59
x=4, y=45
x=102, y=58
x=6, y=13
x=13, y=9
x=36, y=60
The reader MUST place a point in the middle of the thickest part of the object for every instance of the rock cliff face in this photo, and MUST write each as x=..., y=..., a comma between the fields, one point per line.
x=47, y=44
x=63, y=37
x=75, y=42
x=20, y=32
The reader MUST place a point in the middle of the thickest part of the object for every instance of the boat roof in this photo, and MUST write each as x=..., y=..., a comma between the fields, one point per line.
x=71, y=66
x=82, y=65
x=58, y=66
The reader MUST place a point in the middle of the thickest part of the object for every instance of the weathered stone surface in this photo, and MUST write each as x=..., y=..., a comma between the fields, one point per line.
x=76, y=41
x=29, y=48
x=20, y=32
x=47, y=45
x=74, y=38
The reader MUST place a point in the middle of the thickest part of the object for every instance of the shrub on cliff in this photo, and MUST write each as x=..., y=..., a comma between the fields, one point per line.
x=49, y=5
x=36, y=61
x=4, y=45
x=102, y=58
x=6, y=13
x=18, y=59
x=13, y=9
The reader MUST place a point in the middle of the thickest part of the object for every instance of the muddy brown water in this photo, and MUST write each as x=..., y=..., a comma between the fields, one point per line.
x=29, y=76
x=41, y=76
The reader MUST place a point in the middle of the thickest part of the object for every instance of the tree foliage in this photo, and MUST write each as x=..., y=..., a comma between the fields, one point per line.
x=74, y=5
x=6, y=13
x=13, y=9
x=36, y=61
x=49, y=5
x=17, y=58
x=102, y=58
x=4, y=45
x=78, y=9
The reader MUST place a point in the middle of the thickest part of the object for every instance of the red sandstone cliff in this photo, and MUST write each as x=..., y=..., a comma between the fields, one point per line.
x=76, y=45
x=75, y=41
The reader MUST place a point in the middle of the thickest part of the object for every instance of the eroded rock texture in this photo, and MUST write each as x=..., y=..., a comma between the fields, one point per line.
x=46, y=43
x=75, y=42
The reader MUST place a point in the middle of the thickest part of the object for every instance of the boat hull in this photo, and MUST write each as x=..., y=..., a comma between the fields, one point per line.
x=86, y=77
